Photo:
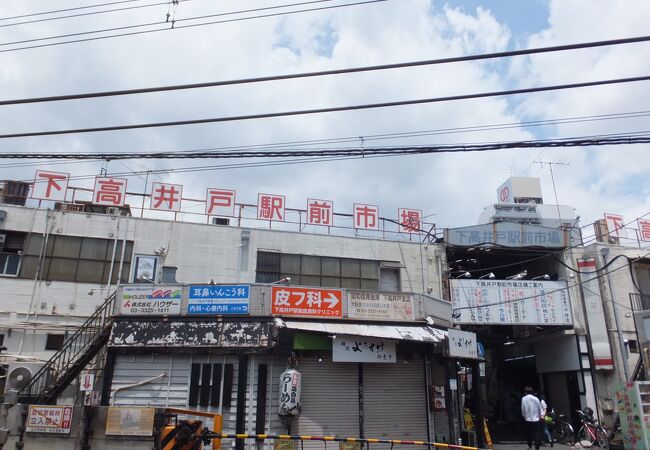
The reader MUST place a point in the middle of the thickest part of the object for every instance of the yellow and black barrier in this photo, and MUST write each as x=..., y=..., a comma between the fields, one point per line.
x=261, y=437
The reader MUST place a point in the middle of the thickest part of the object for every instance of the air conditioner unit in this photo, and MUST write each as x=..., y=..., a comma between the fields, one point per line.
x=19, y=374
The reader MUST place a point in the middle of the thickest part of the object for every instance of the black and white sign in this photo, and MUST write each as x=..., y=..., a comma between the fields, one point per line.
x=363, y=349
x=462, y=344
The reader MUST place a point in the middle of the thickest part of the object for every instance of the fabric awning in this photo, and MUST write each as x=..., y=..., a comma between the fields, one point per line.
x=418, y=333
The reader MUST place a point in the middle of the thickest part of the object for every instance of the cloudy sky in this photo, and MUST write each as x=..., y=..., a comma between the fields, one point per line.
x=451, y=188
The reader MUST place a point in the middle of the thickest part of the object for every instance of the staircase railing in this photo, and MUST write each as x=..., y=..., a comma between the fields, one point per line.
x=77, y=351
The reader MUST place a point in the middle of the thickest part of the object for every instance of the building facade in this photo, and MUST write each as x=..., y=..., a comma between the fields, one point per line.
x=560, y=303
x=207, y=316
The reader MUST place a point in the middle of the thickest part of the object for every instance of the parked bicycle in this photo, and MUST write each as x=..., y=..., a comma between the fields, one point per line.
x=591, y=432
x=561, y=430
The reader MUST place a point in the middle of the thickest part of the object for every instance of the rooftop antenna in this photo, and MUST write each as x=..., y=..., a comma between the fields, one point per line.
x=550, y=165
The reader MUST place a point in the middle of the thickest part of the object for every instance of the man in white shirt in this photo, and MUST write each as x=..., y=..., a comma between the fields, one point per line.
x=531, y=410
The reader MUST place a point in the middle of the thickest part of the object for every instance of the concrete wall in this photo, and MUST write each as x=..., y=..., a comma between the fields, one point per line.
x=615, y=299
x=202, y=253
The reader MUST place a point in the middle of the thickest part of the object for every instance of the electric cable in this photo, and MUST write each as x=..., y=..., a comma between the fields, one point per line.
x=408, y=134
x=135, y=33
x=126, y=8
x=332, y=109
x=546, y=254
x=325, y=72
x=68, y=9
x=160, y=22
x=354, y=151
x=579, y=283
x=602, y=269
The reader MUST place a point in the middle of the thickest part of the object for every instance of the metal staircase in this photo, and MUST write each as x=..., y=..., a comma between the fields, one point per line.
x=66, y=364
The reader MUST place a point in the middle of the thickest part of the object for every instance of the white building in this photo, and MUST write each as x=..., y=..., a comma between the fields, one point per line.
x=63, y=266
x=575, y=361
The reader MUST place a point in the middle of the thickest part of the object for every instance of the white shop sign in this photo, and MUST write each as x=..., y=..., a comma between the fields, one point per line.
x=502, y=302
x=380, y=306
x=363, y=349
x=150, y=300
x=462, y=344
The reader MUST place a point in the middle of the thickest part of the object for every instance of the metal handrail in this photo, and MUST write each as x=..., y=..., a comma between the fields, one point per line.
x=73, y=349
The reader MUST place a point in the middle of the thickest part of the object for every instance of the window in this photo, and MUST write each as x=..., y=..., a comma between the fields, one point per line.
x=54, y=341
x=309, y=270
x=11, y=249
x=9, y=264
x=74, y=258
x=145, y=269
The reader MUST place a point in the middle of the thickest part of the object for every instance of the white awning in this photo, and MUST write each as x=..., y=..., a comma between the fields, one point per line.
x=419, y=333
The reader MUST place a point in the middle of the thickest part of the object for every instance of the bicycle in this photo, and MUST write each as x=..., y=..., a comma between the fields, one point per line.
x=591, y=432
x=561, y=430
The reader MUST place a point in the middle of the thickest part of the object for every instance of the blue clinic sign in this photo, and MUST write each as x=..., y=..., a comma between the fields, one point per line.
x=218, y=299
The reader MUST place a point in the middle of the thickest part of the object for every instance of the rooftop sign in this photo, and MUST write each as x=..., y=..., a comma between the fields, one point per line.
x=508, y=234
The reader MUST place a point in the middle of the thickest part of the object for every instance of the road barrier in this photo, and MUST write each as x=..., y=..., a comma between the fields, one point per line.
x=262, y=437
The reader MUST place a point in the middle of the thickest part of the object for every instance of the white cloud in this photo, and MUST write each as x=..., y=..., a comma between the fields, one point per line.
x=453, y=186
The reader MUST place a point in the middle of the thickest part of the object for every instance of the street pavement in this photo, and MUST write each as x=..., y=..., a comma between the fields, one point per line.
x=521, y=445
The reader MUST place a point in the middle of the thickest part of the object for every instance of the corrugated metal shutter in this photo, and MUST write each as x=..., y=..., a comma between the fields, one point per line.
x=440, y=418
x=169, y=390
x=395, y=402
x=330, y=399
x=172, y=390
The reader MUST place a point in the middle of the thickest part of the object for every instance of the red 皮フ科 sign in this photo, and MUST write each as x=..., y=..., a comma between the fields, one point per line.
x=310, y=302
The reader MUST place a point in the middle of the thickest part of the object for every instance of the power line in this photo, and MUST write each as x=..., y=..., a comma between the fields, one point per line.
x=126, y=8
x=134, y=33
x=326, y=110
x=69, y=9
x=530, y=297
x=142, y=25
x=384, y=136
x=328, y=72
x=289, y=144
x=400, y=150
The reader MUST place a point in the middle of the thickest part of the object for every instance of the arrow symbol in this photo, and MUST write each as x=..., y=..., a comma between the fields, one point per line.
x=87, y=382
x=332, y=301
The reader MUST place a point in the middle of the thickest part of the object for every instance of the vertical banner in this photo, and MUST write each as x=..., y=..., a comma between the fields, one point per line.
x=595, y=315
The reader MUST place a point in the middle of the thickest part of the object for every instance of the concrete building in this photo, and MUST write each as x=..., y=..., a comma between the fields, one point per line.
x=549, y=320
x=164, y=314
x=363, y=318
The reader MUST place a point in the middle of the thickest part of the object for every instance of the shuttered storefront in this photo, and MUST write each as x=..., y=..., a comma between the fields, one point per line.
x=205, y=383
x=330, y=399
x=199, y=382
x=395, y=405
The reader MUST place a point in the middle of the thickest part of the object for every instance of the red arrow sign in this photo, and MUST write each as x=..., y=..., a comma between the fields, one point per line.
x=87, y=382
